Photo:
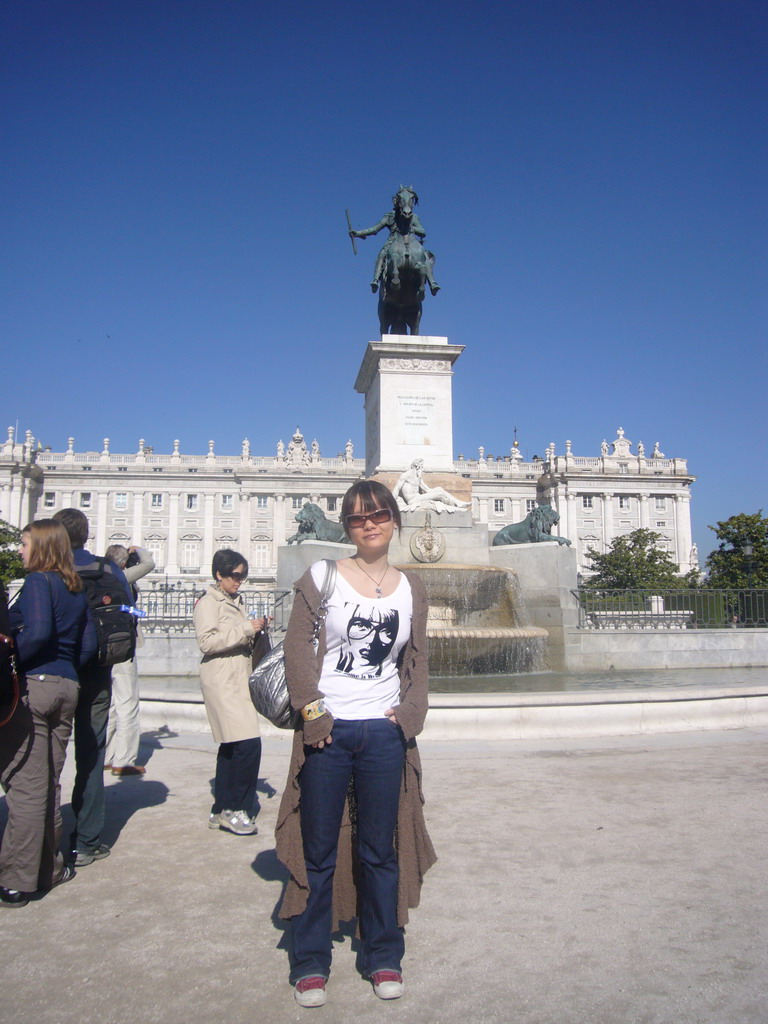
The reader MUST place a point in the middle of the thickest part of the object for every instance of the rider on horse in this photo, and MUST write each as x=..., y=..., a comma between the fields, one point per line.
x=402, y=222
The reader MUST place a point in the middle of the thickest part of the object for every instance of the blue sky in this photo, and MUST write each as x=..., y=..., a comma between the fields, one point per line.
x=591, y=176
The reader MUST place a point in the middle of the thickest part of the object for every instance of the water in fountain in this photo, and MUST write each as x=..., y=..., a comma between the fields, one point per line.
x=477, y=622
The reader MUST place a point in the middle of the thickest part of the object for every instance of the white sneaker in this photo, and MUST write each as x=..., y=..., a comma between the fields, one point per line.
x=310, y=991
x=387, y=984
x=238, y=822
x=214, y=820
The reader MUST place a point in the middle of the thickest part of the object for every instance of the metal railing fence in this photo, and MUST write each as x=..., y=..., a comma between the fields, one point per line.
x=672, y=609
x=169, y=607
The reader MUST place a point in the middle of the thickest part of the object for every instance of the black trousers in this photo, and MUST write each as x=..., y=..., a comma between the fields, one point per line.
x=237, y=772
x=91, y=719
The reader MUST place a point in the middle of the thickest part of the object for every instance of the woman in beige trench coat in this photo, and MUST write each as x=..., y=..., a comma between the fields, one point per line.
x=225, y=635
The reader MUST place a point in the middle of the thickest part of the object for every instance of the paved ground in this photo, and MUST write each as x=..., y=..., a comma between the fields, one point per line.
x=579, y=882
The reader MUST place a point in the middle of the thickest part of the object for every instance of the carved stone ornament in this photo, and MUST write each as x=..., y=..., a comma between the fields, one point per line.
x=427, y=545
x=419, y=365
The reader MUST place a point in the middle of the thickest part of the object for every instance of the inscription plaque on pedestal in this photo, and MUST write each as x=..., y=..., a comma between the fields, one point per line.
x=407, y=381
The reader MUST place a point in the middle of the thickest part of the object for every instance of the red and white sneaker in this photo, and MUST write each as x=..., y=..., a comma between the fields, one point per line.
x=387, y=984
x=310, y=991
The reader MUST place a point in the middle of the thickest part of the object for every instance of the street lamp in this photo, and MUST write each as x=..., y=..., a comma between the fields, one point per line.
x=746, y=549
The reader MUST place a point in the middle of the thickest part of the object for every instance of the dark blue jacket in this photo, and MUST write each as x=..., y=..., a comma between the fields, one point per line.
x=52, y=627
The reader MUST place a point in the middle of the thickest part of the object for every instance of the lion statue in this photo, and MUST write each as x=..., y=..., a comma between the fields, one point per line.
x=536, y=527
x=314, y=526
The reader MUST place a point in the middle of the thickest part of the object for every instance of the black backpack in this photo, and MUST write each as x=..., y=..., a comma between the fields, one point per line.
x=116, y=627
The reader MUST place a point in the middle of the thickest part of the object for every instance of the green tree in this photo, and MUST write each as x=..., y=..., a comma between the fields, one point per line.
x=728, y=567
x=11, y=565
x=634, y=562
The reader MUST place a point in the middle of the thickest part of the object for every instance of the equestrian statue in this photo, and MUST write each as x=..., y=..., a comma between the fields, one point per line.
x=403, y=266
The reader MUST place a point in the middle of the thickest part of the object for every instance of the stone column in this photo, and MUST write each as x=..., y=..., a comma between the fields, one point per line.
x=172, y=554
x=15, y=493
x=5, y=502
x=244, y=532
x=570, y=530
x=208, y=531
x=643, y=514
x=279, y=520
x=101, y=524
x=683, y=538
x=607, y=520
x=138, y=517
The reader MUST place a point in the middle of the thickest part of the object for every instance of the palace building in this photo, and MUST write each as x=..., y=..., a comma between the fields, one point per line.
x=183, y=507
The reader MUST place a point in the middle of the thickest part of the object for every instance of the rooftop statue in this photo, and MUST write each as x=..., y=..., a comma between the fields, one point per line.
x=412, y=493
x=402, y=267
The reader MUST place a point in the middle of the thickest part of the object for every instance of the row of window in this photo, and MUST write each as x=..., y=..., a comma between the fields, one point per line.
x=588, y=503
x=226, y=502
x=498, y=505
x=190, y=554
x=191, y=501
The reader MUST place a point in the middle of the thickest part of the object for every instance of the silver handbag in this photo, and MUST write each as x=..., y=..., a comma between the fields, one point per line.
x=267, y=683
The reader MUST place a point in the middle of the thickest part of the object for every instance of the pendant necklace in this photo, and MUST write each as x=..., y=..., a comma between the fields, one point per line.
x=373, y=581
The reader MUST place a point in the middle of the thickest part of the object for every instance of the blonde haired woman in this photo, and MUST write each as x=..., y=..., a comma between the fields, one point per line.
x=53, y=634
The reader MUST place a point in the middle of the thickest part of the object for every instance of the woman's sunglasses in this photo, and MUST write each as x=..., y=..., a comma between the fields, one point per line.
x=378, y=517
x=238, y=577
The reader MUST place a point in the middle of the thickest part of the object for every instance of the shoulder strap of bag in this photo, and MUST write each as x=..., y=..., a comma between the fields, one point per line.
x=92, y=570
x=325, y=595
x=329, y=582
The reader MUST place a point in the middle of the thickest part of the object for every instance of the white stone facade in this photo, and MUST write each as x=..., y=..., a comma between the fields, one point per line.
x=184, y=507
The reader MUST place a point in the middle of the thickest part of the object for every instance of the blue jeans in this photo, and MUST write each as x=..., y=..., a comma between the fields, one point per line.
x=371, y=753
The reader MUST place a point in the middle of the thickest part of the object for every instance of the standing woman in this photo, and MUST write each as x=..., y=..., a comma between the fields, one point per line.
x=363, y=699
x=225, y=635
x=54, y=635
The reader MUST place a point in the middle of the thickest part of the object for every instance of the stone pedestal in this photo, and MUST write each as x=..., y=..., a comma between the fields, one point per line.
x=547, y=576
x=406, y=380
x=464, y=542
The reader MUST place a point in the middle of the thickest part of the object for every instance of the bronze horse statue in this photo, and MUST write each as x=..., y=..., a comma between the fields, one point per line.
x=402, y=286
x=403, y=266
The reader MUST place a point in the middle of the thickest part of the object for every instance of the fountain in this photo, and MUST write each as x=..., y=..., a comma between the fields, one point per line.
x=476, y=622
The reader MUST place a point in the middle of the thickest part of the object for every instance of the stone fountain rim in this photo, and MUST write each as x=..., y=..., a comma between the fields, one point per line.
x=485, y=632
x=407, y=566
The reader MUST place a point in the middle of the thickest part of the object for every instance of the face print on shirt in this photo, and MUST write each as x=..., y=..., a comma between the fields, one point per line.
x=370, y=636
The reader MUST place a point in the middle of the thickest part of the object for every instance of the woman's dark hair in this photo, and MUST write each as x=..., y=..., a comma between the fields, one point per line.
x=372, y=495
x=226, y=561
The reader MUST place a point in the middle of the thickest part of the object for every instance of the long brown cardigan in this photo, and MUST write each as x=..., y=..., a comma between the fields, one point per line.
x=415, y=852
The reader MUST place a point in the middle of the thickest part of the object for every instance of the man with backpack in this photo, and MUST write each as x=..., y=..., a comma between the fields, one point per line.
x=109, y=595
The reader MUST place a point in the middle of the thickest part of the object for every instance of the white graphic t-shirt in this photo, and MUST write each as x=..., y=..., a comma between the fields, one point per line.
x=364, y=637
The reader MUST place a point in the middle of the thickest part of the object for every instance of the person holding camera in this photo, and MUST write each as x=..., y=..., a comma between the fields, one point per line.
x=123, y=728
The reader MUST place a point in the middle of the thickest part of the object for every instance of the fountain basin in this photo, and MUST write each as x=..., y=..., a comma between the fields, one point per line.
x=476, y=622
